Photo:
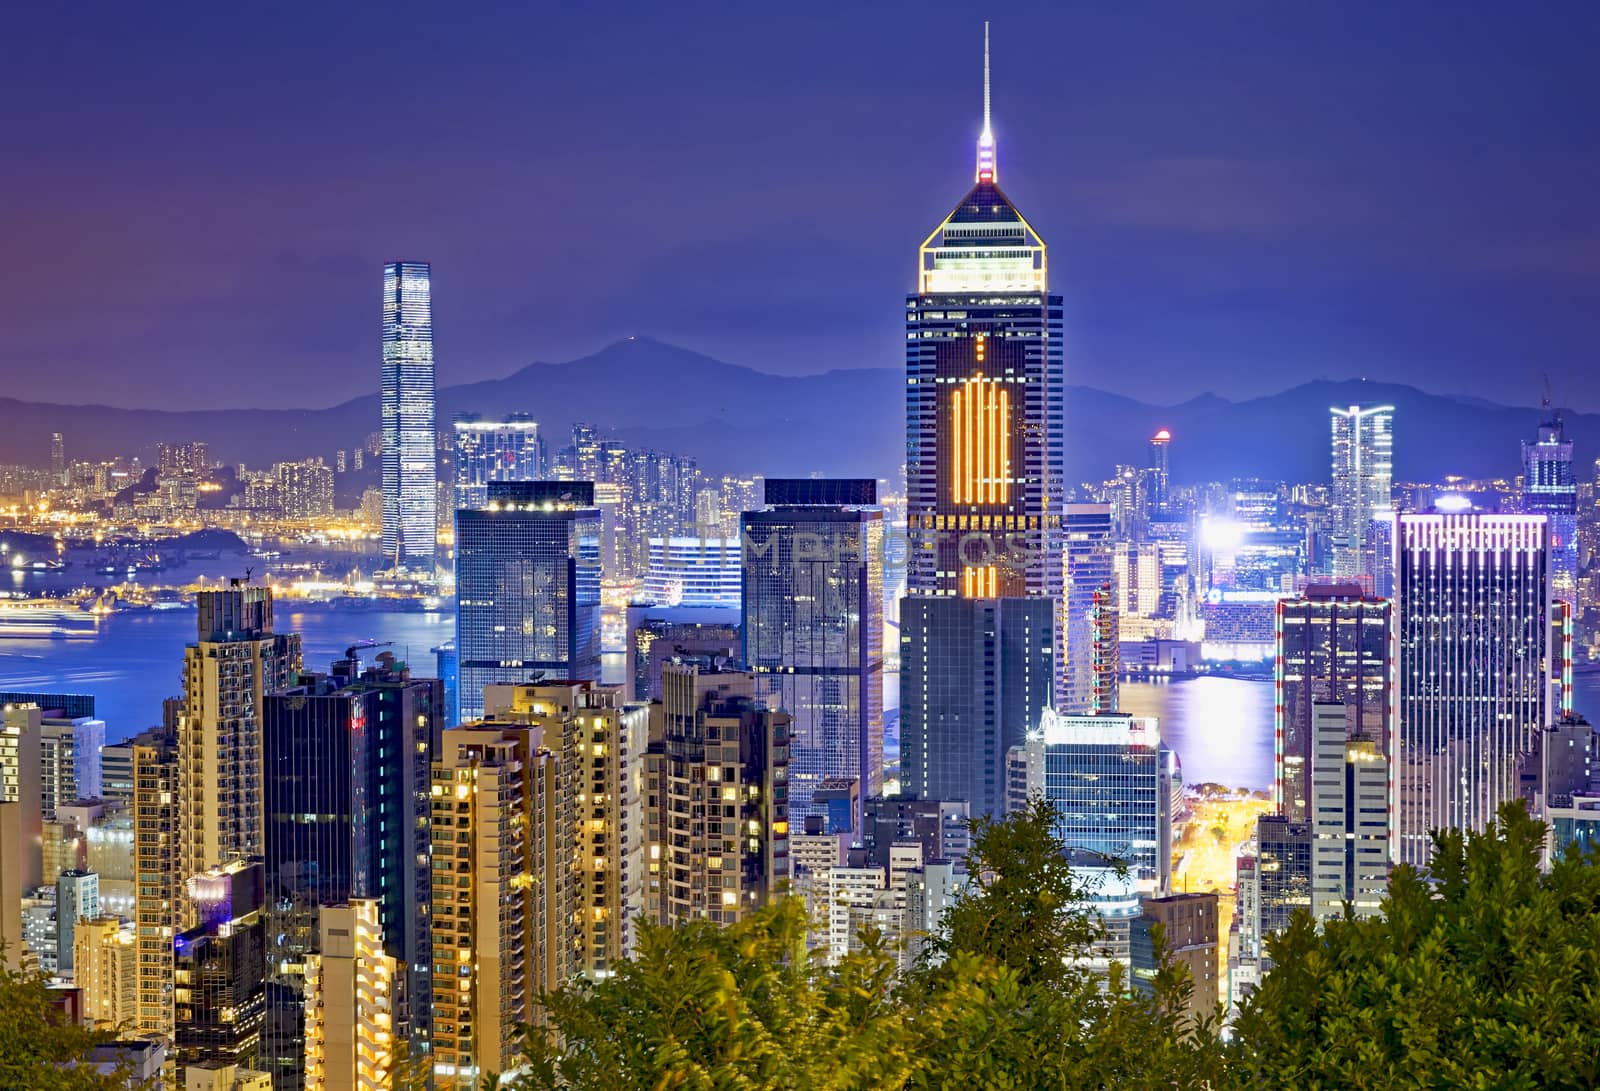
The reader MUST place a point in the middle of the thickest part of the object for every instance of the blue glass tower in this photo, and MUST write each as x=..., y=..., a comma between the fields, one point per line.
x=527, y=588
x=410, y=470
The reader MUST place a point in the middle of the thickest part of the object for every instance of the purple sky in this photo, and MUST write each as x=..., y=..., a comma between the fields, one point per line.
x=196, y=199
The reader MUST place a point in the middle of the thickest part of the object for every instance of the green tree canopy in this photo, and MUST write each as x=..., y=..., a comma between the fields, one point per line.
x=39, y=1048
x=1489, y=976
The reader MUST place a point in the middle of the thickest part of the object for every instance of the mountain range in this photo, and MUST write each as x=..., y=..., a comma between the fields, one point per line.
x=736, y=419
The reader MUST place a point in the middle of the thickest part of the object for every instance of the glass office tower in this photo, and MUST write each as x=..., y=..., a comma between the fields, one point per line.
x=527, y=588
x=410, y=472
x=1550, y=489
x=1333, y=644
x=1363, y=469
x=1475, y=644
x=812, y=626
x=985, y=480
x=1111, y=779
x=493, y=450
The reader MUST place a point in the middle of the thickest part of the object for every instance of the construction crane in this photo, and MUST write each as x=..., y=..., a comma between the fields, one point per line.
x=365, y=645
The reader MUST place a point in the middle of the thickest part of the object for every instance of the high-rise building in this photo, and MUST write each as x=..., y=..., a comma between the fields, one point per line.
x=69, y=761
x=493, y=450
x=350, y=748
x=1363, y=470
x=601, y=741
x=1111, y=779
x=1550, y=489
x=1333, y=643
x=20, y=777
x=658, y=634
x=501, y=898
x=1158, y=467
x=693, y=572
x=1087, y=566
x=103, y=962
x=228, y=672
x=154, y=770
x=975, y=676
x=58, y=459
x=1475, y=650
x=410, y=469
x=351, y=1036
x=716, y=791
x=220, y=970
x=1274, y=881
x=985, y=477
x=305, y=489
x=984, y=392
x=1349, y=816
x=183, y=459
x=812, y=628
x=77, y=896
x=527, y=587
x=1189, y=924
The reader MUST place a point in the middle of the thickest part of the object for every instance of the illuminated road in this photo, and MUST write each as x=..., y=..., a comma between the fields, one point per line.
x=1206, y=855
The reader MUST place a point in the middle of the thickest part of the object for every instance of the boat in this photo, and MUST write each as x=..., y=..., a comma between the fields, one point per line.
x=46, y=618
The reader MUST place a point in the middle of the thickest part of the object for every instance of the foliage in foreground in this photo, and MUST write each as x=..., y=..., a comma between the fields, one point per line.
x=1488, y=977
x=39, y=1049
x=705, y=1008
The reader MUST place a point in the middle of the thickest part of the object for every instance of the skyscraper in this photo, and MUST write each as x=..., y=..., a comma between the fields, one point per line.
x=600, y=740
x=501, y=901
x=351, y=1037
x=1333, y=643
x=1349, y=818
x=985, y=467
x=716, y=811
x=221, y=969
x=1156, y=474
x=1550, y=489
x=154, y=771
x=350, y=748
x=975, y=676
x=1475, y=645
x=493, y=450
x=1087, y=565
x=410, y=470
x=1111, y=779
x=228, y=672
x=1363, y=468
x=985, y=476
x=58, y=459
x=527, y=587
x=812, y=628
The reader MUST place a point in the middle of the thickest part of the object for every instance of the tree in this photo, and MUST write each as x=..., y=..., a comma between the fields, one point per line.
x=1014, y=1006
x=39, y=1048
x=1482, y=977
x=1023, y=906
x=705, y=1007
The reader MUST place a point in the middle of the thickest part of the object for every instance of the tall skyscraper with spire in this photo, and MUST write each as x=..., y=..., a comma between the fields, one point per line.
x=1550, y=489
x=410, y=468
x=985, y=482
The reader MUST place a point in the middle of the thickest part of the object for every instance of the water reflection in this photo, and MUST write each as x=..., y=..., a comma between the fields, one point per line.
x=1220, y=727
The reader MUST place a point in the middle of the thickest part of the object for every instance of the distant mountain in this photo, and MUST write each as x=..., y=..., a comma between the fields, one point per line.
x=736, y=419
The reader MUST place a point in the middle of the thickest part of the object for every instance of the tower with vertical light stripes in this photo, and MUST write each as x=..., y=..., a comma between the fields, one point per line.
x=985, y=481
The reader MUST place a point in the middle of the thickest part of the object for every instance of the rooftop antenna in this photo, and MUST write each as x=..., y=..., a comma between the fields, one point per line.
x=986, y=166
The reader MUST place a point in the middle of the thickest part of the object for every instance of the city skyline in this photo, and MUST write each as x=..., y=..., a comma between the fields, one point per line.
x=1180, y=190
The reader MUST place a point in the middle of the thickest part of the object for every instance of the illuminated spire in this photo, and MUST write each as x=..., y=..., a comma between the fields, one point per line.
x=986, y=171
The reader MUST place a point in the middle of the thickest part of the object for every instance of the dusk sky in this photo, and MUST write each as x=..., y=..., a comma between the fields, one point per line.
x=196, y=199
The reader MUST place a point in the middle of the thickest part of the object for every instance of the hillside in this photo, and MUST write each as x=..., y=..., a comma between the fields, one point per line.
x=737, y=419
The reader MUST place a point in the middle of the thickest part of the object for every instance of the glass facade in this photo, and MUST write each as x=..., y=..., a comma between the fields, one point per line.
x=1332, y=644
x=1111, y=779
x=812, y=630
x=975, y=676
x=494, y=450
x=1474, y=652
x=1549, y=488
x=410, y=470
x=690, y=571
x=527, y=588
x=1363, y=470
x=1087, y=565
